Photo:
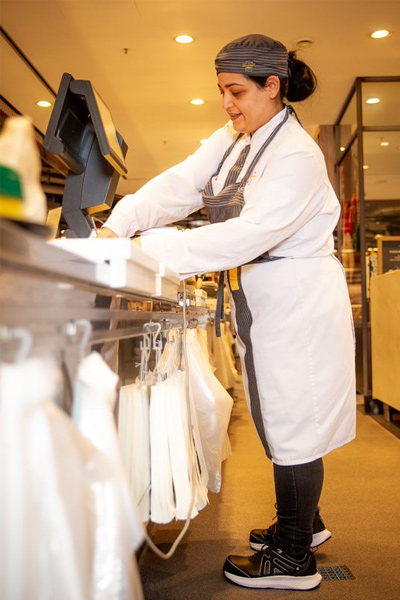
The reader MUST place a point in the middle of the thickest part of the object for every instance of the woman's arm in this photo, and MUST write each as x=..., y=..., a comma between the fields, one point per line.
x=172, y=195
x=290, y=193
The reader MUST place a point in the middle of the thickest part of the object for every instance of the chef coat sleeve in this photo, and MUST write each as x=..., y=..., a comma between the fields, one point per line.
x=292, y=190
x=175, y=193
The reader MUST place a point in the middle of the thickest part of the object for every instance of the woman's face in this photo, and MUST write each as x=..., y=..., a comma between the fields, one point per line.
x=249, y=106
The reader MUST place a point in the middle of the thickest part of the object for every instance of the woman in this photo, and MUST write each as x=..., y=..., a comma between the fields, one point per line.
x=272, y=212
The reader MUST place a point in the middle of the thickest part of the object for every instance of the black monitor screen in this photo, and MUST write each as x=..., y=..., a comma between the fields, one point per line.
x=114, y=154
x=82, y=133
x=70, y=130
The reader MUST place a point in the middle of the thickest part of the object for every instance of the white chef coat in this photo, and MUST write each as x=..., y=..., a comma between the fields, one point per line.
x=301, y=332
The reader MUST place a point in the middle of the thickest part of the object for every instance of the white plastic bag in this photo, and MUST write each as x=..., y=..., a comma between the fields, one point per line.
x=134, y=438
x=46, y=506
x=118, y=528
x=222, y=354
x=178, y=471
x=213, y=406
x=162, y=494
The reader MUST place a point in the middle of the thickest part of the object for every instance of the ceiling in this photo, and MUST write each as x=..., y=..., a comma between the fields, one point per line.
x=127, y=49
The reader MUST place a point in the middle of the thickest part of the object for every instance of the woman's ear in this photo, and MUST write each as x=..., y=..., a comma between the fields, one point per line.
x=273, y=86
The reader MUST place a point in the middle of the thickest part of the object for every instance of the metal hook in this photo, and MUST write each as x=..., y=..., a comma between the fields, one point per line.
x=157, y=339
x=23, y=336
x=86, y=326
x=71, y=329
x=145, y=349
x=193, y=322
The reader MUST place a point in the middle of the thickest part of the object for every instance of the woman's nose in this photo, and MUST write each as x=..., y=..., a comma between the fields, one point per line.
x=227, y=101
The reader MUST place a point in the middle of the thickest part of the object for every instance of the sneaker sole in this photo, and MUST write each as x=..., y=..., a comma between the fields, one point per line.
x=320, y=538
x=317, y=540
x=279, y=582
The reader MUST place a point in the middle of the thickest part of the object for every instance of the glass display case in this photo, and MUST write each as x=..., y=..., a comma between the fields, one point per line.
x=367, y=139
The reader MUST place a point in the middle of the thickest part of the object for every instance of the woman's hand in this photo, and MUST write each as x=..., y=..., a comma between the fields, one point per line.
x=106, y=233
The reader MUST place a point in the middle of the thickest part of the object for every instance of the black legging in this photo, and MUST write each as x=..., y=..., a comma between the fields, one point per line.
x=298, y=489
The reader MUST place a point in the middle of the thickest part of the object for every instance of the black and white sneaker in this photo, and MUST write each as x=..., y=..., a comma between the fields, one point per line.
x=261, y=537
x=320, y=533
x=271, y=567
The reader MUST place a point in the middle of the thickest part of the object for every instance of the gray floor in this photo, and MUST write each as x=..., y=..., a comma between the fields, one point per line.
x=360, y=505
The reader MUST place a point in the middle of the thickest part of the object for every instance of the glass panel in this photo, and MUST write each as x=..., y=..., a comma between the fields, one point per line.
x=347, y=126
x=381, y=184
x=387, y=110
x=350, y=226
x=382, y=217
x=382, y=165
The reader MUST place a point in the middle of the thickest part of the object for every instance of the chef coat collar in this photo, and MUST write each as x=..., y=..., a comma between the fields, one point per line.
x=263, y=132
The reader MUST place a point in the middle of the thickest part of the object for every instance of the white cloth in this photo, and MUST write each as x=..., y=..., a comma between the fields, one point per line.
x=301, y=323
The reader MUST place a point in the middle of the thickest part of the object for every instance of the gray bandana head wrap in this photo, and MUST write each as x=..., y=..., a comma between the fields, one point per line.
x=255, y=55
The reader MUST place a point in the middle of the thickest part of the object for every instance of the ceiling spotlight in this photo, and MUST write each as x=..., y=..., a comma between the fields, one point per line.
x=43, y=103
x=380, y=34
x=197, y=101
x=184, y=39
x=342, y=148
x=384, y=144
x=365, y=167
x=372, y=100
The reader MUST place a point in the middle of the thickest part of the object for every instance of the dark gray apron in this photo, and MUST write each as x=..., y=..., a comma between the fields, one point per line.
x=228, y=203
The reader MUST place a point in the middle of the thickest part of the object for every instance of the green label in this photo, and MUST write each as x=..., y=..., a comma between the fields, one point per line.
x=10, y=183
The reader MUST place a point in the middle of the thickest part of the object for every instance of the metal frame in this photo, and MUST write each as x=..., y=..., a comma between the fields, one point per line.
x=356, y=91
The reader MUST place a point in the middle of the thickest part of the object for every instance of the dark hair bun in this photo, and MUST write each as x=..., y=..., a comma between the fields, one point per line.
x=302, y=80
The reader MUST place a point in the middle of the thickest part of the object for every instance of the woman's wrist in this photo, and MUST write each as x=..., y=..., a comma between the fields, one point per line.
x=106, y=233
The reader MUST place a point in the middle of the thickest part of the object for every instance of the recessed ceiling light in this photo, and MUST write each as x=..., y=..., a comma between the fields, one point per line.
x=342, y=148
x=384, y=144
x=380, y=33
x=43, y=103
x=365, y=167
x=197, y=101
x=184, y=39
x=304, y=43
x=372, y=100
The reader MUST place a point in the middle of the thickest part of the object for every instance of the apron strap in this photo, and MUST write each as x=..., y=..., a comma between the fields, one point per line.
x=219, y=313
x=263, y=147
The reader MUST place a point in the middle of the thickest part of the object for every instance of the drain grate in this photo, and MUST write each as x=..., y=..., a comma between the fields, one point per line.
x=340, y=572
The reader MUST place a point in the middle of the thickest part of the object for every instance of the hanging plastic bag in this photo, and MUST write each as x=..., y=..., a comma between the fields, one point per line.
x=213, y=406
x=178, y=468
x=162, y=494
x=134, y=438
x=180, y=445
x=118, y=528
x=202, y=338
x=225, y=370
x=45, y=518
